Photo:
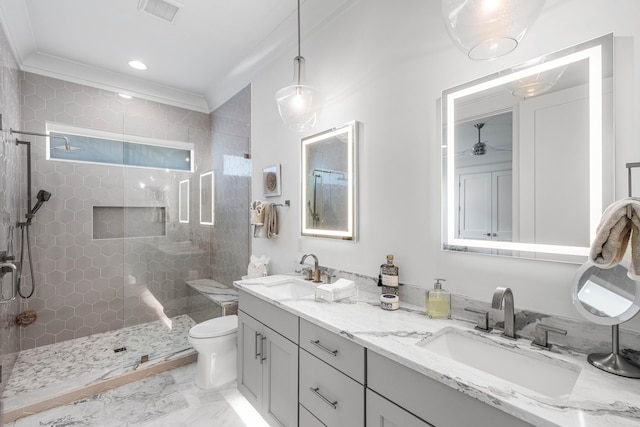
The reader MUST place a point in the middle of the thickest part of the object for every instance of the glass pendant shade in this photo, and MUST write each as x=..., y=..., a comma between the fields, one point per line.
x=487, y=29
x=297, y=103
x=537, y=84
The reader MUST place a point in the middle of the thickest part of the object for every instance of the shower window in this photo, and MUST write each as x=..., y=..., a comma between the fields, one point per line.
x=74, y=144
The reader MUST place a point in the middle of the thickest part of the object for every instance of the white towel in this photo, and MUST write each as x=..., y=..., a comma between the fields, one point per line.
x=340, y=289
x=619, y=223
x=257, y=213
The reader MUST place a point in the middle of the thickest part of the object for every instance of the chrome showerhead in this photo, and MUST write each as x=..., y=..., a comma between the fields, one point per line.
x=66, y=147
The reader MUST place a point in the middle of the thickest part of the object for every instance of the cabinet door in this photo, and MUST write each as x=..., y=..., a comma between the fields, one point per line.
x=250, y=346
x=475, y=206
x=382, y=413
x=280, y=380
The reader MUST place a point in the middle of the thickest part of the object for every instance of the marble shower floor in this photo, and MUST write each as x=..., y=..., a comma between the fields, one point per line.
x=46, y=372
x=170, y=399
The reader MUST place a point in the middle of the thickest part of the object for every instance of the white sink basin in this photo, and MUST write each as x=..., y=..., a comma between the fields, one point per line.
x=289, y=289
x=535, y=371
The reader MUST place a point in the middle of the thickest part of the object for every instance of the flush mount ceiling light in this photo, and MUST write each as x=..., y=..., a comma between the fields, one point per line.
x=138, y=65
x=298, y=102
x=487, y=29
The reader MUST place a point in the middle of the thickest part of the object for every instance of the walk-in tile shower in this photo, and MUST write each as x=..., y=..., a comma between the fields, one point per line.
x=111, y=252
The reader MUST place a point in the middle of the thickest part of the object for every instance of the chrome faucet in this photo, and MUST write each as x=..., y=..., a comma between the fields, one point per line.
x=316, y=268
x=504, y=294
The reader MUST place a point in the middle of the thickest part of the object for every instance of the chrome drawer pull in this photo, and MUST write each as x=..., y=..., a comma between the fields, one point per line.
x=256, y=345
x=328, y=350
x=327, y=401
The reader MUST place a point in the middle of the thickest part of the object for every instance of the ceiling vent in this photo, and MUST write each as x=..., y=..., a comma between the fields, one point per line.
x=161, y=9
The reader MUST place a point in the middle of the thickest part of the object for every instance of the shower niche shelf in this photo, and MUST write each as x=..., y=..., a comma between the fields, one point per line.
x=116, y=222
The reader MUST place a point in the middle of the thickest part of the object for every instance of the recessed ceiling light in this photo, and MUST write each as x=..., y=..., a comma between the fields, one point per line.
x=138, y=65
x=124, y=96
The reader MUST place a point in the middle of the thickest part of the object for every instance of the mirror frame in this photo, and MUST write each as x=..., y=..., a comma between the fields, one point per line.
x=210, y=208
x=351, y=130
x=607, y=321
x=183, y=191
x=593, y=52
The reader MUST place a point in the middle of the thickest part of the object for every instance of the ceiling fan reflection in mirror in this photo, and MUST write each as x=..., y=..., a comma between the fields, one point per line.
x=480, y=148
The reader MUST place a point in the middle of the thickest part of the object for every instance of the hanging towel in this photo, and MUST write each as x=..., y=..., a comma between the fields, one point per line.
x=270, y=219
x=619, y=223
x=267, y=221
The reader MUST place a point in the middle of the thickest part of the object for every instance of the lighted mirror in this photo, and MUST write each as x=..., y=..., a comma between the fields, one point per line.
x=206, y=198
x=183, y=201
x=329, y=190
x=527, y=156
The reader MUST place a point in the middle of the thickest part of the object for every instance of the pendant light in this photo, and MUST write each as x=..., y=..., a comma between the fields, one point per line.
x=297, y=103
x=487, y=29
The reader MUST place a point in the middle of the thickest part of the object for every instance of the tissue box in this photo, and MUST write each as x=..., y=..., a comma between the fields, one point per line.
x=337, y=291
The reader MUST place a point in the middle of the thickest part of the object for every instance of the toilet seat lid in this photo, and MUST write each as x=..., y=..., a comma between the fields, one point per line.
x=217, y=327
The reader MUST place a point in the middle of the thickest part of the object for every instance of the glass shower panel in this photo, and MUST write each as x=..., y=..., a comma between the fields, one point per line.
x=232, y=243
x=161, y=252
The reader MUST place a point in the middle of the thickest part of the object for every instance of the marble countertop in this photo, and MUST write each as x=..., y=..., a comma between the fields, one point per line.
x=598, y=399
x=215, y=291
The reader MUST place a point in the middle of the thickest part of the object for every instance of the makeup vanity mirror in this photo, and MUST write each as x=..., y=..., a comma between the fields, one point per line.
x=183, y=201
x=607, y=297
x=206, y=198
x=328, y=207
x=527, y=156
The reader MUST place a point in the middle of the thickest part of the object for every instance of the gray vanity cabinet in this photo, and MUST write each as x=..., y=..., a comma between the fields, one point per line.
x=382, y=413
x=268, y=360
x=307, y=419
x=428, y=399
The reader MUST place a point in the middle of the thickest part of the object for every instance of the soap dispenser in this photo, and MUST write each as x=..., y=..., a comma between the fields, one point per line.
x=438, y=302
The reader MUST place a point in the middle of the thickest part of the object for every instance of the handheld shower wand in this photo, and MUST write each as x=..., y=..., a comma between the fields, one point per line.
x=42, y=196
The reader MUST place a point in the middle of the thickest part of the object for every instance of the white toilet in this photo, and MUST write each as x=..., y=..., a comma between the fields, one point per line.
x=216, y=342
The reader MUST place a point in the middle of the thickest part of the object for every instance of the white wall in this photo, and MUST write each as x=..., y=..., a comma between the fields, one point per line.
x=385, y=63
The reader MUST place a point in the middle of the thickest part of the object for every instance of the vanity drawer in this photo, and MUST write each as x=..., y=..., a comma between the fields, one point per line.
x=430, y=400
x=342, y=354
x=283, y=322
x=334, y=398
x=307, y=419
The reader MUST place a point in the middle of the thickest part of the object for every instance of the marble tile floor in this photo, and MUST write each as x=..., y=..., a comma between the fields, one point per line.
x=44, y=373
x=170, y=399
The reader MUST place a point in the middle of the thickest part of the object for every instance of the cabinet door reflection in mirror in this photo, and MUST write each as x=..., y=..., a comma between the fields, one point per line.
x=527, y=156
x=328, y=205
x=206, y=198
